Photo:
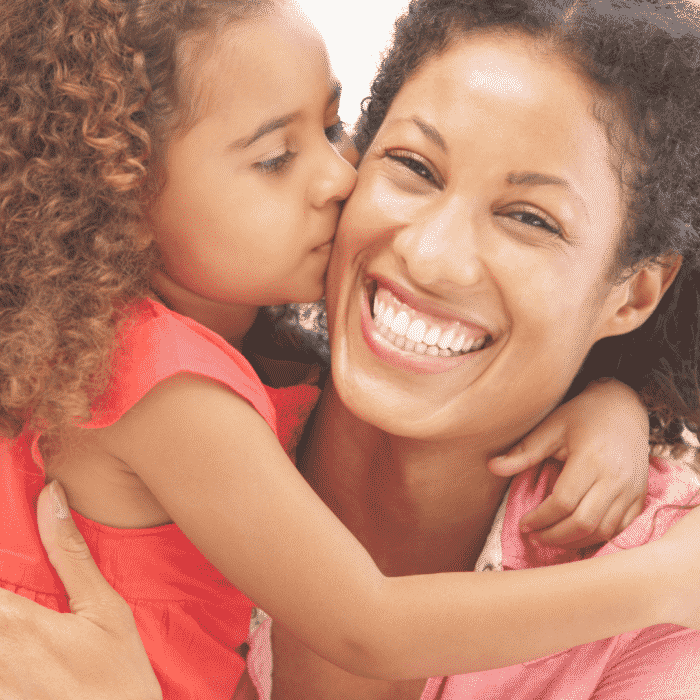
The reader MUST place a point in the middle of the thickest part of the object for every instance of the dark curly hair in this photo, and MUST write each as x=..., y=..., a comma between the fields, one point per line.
x=646, y=56
x=89, y=90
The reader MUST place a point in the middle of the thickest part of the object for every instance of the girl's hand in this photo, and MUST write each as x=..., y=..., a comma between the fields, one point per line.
x=94, y=653
x=602, y=436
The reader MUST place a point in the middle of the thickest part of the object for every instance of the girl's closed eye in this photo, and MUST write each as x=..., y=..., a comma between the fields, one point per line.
x=335, y=132
x=276, y=163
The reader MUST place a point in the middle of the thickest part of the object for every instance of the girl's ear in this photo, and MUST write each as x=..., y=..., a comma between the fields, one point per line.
x=639, y=295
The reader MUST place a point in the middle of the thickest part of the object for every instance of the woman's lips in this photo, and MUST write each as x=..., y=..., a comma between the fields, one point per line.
x=414, y=340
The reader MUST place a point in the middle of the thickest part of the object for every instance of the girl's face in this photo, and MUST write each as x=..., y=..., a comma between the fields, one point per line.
x=485, y=219
x=253, y=190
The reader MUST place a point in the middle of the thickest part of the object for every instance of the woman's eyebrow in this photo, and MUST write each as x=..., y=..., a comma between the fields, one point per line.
x=527, y=178
x=534, y=179
x=431, y=133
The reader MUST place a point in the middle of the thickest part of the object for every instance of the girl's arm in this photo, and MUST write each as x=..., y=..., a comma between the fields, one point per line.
x=602, y=436
x=219, y=471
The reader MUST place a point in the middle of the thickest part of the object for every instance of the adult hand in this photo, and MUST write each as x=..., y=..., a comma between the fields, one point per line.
x=95, y=653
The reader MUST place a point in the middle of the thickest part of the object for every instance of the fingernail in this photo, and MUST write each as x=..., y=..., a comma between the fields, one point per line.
x=58, y=499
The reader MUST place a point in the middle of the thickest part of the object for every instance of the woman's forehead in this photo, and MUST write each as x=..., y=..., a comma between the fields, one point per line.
x=502, y=99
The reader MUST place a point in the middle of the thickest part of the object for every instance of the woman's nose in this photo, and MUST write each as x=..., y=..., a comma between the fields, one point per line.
x=442, y=248
x=333, y=180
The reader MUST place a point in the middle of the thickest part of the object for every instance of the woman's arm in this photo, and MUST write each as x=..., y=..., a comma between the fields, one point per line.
x=93, y=654
x=218, y=470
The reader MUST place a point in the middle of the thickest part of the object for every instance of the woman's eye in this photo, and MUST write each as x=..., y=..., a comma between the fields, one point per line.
x=276, y=164
x=335, y=132
x=413, y=164
x=531, y=219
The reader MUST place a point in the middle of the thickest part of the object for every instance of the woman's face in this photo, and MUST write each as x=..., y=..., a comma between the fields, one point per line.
x=486, y=215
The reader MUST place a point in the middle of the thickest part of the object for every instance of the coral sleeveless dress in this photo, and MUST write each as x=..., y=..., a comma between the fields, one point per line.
x=191, y=619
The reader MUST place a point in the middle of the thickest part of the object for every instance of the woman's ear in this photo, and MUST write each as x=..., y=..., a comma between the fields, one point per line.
x=640, y=294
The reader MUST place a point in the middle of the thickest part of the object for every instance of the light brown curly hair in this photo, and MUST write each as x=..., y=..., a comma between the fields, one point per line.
x=89, y=92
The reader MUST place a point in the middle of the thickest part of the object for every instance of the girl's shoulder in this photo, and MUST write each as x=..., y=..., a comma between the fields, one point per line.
x=154, y=343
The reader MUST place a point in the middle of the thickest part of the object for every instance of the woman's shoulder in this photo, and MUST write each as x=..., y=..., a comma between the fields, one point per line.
x=672, y=484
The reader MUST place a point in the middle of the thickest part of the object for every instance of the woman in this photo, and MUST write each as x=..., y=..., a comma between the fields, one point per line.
x=499, y=191
x=497, y=196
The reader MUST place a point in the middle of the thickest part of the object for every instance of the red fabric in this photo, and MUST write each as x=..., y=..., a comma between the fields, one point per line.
x=190, y=618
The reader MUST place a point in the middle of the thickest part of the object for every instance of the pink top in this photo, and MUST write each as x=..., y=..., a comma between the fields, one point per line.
x=191, y=619
x=657, y=663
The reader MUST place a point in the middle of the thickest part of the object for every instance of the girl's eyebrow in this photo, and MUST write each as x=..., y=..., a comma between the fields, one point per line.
x=279, y=122
x=265, y=128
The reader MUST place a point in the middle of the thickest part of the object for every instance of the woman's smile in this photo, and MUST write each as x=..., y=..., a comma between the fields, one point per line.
x=407, y=331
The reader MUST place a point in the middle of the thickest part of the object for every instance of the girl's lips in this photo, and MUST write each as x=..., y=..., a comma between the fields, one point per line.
x=324, y=247
x=408, y=361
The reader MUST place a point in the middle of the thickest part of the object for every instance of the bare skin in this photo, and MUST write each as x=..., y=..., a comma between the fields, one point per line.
x=395, y=619
x=417, y=495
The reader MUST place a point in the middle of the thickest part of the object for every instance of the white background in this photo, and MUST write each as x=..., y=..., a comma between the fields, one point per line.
x=356, y=32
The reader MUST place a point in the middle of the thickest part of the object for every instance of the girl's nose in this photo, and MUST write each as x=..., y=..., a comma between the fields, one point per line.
x=334, y=179
x=443, y=248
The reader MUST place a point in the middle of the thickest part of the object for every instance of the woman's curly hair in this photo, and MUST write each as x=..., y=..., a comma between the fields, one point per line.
x=89, y=89
x=646, y=56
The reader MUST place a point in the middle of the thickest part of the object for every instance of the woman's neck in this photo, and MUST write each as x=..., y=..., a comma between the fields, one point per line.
x=230, y=321
x=417, y=506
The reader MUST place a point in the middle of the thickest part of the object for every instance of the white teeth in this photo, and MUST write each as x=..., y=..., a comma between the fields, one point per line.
x=416, y=331
x=432, y=336
x=457, y=344
x=393, y=321
x=400, y=323
x=446, y=338
x=378, y=308
x=388, y=316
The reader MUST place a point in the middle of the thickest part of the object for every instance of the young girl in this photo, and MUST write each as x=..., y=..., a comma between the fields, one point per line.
x=168, y=168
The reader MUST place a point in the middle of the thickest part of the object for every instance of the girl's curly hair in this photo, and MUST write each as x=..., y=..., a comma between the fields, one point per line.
x=89, y=89
x=645, y=54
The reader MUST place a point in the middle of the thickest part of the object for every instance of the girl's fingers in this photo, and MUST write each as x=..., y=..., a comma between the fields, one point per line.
x=569, y=491
x=545, y=441
x=610, y=524
x=632, y=512
x=593, y=521
x=580, y=528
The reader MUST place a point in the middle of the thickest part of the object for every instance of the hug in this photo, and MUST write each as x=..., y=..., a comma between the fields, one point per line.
x=516, y=254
